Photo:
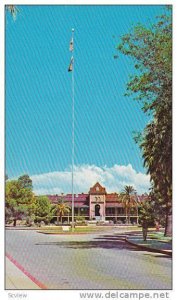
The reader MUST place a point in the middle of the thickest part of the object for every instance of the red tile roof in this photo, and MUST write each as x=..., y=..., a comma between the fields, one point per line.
x=112, y=197
x=78, y=198
x=114, y=204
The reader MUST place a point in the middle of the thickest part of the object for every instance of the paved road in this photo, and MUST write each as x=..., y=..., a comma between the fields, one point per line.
x=92, y=261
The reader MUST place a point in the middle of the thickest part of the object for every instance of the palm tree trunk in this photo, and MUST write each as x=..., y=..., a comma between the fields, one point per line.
x=61, y=218
x=126, y=216
x=137, y=214
x=129, y=210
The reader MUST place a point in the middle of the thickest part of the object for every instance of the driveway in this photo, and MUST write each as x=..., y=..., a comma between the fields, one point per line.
x=89, y=261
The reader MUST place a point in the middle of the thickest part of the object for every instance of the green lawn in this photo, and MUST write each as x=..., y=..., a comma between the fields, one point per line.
x=80, y=229
x=77, y=229
x=159, y=236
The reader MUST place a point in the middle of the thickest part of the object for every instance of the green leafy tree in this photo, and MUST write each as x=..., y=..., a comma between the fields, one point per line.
x=19, y=201
x=25, y=181
x=128, y=199
x=151, y=50
x=43, y=209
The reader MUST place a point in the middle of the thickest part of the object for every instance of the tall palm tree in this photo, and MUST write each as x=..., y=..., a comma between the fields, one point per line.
x=61, y=209
x=128, y=200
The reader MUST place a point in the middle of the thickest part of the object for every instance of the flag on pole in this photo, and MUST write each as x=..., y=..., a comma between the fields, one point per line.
x=71, y=65
x=71, y=45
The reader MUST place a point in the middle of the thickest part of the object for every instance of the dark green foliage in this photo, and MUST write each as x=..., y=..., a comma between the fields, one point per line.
x=146, y=216
x=151, y=51
x=147, y=213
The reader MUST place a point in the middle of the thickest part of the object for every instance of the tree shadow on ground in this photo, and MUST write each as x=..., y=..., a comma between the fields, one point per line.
x=102, y=241
x=112, y=241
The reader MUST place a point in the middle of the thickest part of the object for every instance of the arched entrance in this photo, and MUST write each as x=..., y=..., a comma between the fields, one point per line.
x=97, y=210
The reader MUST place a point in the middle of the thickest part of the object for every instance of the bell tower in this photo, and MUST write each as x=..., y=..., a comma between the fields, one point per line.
x=97, y=202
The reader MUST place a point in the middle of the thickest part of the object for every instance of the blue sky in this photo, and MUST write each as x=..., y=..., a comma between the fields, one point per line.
x=39, y=99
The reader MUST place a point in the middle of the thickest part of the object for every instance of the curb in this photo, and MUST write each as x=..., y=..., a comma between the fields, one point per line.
x=150, y=249
x=22, y=228
x=22, y=269
x=65, y=233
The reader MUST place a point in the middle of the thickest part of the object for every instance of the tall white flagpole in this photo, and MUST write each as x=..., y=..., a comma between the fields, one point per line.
x=73, y=123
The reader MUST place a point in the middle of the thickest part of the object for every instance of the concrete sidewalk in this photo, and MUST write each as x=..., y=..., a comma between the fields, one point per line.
x=17, y=279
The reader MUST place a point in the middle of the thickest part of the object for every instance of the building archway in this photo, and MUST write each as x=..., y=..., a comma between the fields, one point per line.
x=97, y=210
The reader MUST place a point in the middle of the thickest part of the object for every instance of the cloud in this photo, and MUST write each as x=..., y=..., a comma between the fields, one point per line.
x=113, y=178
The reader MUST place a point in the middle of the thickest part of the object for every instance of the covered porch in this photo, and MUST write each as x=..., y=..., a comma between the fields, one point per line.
x=119, y=216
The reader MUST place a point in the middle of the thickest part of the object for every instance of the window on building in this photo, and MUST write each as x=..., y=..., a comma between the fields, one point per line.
x=110, y=211
x=84, y=211
x=120, y=210
x=76, y=211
